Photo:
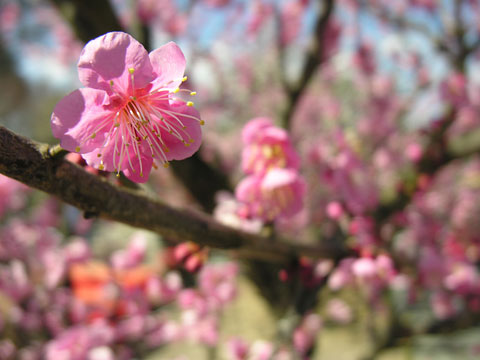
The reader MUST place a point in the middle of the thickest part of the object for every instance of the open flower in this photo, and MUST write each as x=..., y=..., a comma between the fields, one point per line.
x=129, y=116
x=278, y=194
x=266, y=147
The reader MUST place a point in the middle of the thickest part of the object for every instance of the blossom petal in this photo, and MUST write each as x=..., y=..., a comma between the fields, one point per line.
x=248, y=189
x=178, y=150
x=141, y=174
x=130, y=157
x=169, y=63
x=289, y=182
x=254, y=127
x=109, y=58
x=106, y=157
x=79, y=120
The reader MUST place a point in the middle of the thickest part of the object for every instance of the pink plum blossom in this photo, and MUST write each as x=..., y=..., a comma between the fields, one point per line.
x=11, y=194
x=305, y=335
x=77, y=342
x=267, y=146
x=216, y=3
x=339, y=311
x=334, y=210
x=237, y=349
x=129, y=115
x=291, y=18
x=277, y=194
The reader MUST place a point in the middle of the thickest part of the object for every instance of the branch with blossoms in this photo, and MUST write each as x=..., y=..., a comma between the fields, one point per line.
x=35, y=165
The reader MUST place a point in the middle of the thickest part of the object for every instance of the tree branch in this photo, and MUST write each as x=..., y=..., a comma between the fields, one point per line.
x=33, y=164
x=315, y=57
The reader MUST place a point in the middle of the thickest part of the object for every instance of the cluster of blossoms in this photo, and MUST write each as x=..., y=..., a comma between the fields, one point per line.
x=69, y=304
x=274, y=187
x=303, y=338
x=129, y=117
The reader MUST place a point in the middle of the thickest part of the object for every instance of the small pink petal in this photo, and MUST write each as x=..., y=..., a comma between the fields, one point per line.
x=247, y=189
x=109, y=58
x=254, y=127
x=141, y=173
x=279, y=177
x=78, y=119
x=178, y=150
x=169, y=63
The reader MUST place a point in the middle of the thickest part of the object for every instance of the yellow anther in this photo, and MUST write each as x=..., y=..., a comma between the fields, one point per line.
x=155, y=166
x=202, y=122
x=184, y=79
x=131, y=70
x=190, y=103
x=145, y=137
x=166, y=150
x=166, y=165
x=141, y=174
x=193, y=93
x=93, y=136
x=191, y=141
x=117, y=124
x=267, y=151
x=77, y=149
x=111, y=82
x=186, y=144
x=118, y=175
x=176, y=90
x=101, y=167
x=99, y=155
x=184, y=127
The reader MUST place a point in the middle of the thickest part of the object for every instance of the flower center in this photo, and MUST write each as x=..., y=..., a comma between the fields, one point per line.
x=144, y=122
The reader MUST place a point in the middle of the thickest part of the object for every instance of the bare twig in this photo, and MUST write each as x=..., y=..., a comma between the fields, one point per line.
x=314, y=58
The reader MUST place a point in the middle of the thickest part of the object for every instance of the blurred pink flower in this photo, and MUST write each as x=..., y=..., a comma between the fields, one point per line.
x=305, y=335
x=217, y=3
x=267, y=146
x=277, y=194
x=334, y=210
x=442, y=305
x=364, y=268
x=219, y=281
x=77, y=342
x=237, y=349
x=414, y=152
x=229, y=212
x=464, y=279
x=291, y=20
x=341, y=275
x=128, y=115
x=133, y=255
x=339, y=311
x=12, y=194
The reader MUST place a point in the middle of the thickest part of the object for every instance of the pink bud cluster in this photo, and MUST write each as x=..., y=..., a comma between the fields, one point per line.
x=274, y=188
